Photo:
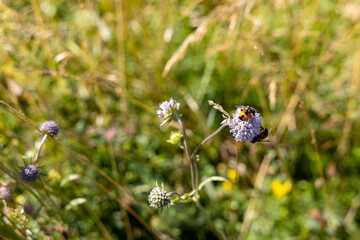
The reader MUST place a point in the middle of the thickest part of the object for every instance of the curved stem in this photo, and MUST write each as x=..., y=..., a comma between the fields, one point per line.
x=193, y=166
x=207, y=139
x=41, y=144
x=175, y=194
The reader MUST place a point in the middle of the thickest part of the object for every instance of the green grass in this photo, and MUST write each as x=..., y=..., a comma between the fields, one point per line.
x=100, y=69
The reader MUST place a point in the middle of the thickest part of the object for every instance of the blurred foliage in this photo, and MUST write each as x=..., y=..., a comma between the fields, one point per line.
x=100, y=69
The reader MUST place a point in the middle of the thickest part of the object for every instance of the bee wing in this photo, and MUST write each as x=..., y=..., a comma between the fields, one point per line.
x=251, y=109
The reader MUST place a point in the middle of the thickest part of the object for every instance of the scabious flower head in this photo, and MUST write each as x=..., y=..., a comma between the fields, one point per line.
x=30, y=173
x=167, y=110
x=5, y=193
x=245, y=130
x=50, y=127
x=159, y=198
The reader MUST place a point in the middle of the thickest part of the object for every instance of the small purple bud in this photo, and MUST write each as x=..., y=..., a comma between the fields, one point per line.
x=30, y=173
x=50, y=127
x=28, y=208
x=167, y=110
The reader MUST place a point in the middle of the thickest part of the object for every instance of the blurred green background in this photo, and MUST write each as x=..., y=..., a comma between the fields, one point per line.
x=100, y=69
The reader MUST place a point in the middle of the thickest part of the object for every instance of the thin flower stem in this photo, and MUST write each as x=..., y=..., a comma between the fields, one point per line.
x=207, y=139
x=175, y=194
x=193, y=166
x=41, y=144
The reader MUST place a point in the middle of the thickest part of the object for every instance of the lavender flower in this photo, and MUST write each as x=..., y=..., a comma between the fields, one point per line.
x=30, y=173
x=50, y=127
x=158, y=198
x=6, y=193
x=245, y=130
x=167, y=110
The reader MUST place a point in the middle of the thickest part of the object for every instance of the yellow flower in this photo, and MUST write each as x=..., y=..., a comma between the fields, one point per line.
x=232, y=174
x=54, y=176
x=227, y=185
x=280, y=189
x=20, y=199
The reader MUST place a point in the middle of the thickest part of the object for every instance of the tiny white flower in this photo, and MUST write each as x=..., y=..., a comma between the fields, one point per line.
x=167, y=109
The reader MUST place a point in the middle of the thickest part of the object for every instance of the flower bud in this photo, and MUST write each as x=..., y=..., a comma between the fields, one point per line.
x=28, y=208
x=175, y=137
x=158, y=198
x=30, y=173
x=167, y=110
x=6, y=193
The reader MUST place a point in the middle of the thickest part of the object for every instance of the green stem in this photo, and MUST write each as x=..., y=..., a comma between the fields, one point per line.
x=193, y=165
x=41, y=144
x=207, y=139
x=175, y=193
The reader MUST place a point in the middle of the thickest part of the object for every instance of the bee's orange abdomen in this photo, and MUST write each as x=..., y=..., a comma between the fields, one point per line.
x=244, y=115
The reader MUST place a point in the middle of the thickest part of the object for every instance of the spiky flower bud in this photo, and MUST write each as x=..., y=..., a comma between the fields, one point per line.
x=30, y=173
x=245, y=130
x=50, y=127
x=6, y=193
x=159, y=198
x=167, y=110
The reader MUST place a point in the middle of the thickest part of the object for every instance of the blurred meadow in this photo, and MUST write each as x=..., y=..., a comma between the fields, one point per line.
x=99, y=69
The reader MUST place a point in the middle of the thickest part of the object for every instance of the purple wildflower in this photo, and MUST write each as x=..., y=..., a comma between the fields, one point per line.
x=167, y=109
x=30, y=173
x=245, y=130
x=50, y=127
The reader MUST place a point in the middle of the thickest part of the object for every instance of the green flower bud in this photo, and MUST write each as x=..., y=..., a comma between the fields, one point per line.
x=175, y=137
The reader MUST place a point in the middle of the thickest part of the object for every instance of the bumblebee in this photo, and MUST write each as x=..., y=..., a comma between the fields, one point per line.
x=263, y=134
x=246, y=112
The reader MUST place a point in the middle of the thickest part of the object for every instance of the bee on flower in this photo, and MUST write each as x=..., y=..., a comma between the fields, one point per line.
x=246, y=125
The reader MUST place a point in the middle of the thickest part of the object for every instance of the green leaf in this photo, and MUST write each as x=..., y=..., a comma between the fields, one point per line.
x=69, y=178
x=75, y=202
